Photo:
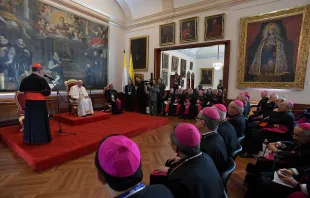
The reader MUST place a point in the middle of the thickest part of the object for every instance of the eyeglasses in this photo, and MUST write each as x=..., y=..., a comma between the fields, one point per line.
x=197, y=118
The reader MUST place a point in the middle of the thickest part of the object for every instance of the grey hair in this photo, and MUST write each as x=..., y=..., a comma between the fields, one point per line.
x=187, y=150
x=221, y=113
x=210, y=123
x=239, y=109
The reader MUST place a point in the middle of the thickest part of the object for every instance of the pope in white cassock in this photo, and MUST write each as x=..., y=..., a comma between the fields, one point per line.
x=80, y=95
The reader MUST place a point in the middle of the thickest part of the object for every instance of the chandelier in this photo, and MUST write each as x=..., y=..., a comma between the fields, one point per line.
x=218, y=64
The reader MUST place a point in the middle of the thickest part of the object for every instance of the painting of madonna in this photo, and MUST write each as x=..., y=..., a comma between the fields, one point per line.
x=272, y=49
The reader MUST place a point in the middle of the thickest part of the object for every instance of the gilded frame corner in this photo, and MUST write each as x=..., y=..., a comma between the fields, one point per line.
x=147, y=52
x=200, y=75
x=206, y=26
x=302, y=55
x=196, y=30
x=168, y=43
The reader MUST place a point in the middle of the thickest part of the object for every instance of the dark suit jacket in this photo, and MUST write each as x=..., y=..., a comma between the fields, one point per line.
x=284, y=118
x=161, y=88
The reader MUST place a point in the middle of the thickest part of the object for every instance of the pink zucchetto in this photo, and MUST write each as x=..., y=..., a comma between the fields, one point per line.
x=239, y=103
x=211, y=113
x=304, y=126
x=242, y=94
x=119, y=156
x=291, y=103
x=187, y=134
x=221, y=107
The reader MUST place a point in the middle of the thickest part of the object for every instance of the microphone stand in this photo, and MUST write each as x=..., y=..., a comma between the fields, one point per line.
x=58, y=109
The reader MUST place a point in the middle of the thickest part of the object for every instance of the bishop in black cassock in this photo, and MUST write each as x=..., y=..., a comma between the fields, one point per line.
x=226, y=130
x=36, y=126
x=211, y=142
x=235, y=111
x=192, y=174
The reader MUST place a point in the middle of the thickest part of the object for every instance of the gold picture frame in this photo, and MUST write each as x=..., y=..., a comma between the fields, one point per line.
x=138, y=75
x=165, y=57
x=214, y=27
x=186, y=35
x=144, y=43
x=205, y=80
x=167, y=38
x=290, y=74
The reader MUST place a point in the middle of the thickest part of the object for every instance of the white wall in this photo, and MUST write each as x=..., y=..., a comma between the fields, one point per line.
x=232, y=27
x=116, y=56
x=207, y=63
x=180, y=56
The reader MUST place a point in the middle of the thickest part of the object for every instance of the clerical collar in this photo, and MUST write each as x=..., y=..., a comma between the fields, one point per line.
x=186, y=160
x=221, y=122
x=132, y=191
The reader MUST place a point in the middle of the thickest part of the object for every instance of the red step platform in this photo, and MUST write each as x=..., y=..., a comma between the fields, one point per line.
x=65, y=147
x=76, y=120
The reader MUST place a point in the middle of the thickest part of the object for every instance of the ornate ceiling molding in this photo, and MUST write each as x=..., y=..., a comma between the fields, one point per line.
x=84, y=10
x=124, y=6
x=185, y=10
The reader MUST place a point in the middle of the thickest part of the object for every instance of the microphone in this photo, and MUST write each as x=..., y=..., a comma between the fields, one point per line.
x=48, y=77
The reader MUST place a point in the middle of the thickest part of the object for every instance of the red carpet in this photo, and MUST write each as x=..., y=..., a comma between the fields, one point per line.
x=66, y=147
x=76, y=120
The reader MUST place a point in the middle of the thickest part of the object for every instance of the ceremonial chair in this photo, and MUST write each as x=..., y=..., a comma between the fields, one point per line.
x=231, y=166
x=73, y=107
x=20, y=100
x=235, y=153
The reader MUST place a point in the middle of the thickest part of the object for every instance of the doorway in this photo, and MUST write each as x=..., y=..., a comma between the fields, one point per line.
x=192, y=65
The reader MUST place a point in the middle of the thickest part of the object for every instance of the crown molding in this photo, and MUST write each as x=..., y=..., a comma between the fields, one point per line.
x=86, y=11
x=185, y=10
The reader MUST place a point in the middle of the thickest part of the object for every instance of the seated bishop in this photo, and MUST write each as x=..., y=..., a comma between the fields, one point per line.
x=80, y=96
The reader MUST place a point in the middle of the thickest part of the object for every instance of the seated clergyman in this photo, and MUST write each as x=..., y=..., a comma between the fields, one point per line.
x=79, y=95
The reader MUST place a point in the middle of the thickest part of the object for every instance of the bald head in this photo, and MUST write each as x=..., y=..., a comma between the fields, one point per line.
x=285, y=106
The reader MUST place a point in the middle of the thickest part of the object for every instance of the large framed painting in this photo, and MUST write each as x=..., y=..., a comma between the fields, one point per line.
x=165, y=77
x=167, y=34
x=183, y=68
x=206, y=76
x=214, y=27
x=139, y=48
x=175, y=64
x=165, y=61
x=274, y=49
x=65, y=44
x=189, y=30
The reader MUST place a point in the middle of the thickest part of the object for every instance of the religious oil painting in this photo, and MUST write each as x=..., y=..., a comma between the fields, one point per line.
x=191, y=65
x=139, y=48
x=174, y=64
x=214, y=27
x=136, y=76
x=206, y=76
x=189, y=30
x=165, y=77
x=274, y=48
x=183, y=68
x=167, y=34
x=66, y=45
x=165, y=61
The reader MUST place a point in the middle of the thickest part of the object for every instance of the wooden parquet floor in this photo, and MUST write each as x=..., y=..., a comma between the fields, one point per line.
x=77, y=178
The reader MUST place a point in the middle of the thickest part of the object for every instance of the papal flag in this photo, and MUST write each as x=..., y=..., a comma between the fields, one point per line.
x=131, y=72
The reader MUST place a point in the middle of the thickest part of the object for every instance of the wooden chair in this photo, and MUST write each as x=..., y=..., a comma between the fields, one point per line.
x=20, y=100
x=73, y=107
